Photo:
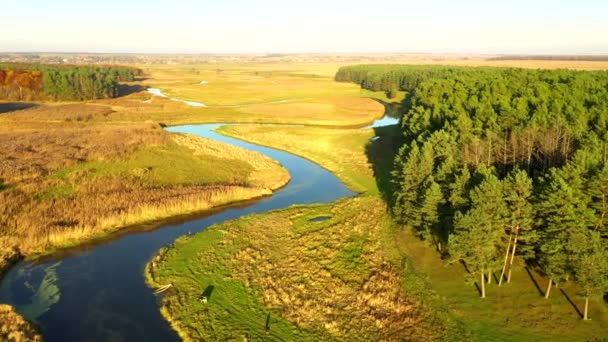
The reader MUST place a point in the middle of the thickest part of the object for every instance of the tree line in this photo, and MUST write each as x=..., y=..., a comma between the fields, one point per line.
x=499, y=163
x=60, y=82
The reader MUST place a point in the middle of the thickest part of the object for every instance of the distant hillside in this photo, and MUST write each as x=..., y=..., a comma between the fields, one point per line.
x=589, y=58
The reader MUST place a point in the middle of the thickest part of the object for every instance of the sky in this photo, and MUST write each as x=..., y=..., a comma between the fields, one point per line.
x=275, y=26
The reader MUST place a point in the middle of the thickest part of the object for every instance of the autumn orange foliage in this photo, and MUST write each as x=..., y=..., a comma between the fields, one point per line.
x=20, y=84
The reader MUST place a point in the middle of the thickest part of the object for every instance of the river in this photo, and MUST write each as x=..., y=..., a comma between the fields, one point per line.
x=97, y=292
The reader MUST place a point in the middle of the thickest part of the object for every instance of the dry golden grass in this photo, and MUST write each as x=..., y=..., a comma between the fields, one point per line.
x=8, y=254
x=341, y=151
x=14, y=328
x=332, y=111
x=64, y=179
x=332, y=277
x=327, y=280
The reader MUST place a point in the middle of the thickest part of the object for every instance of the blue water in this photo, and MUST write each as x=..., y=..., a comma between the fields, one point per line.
x=384, y=121
x=98, y=293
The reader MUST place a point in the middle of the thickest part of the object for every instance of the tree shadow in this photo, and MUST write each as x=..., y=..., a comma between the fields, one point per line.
x=381, y=152
x=383, y=148
x=128, y=89
x=14, y=106
x=580, y=314
x=208, y=292
x=464, y=265
x=478, y=288
x=496, y=278
x=540, y=291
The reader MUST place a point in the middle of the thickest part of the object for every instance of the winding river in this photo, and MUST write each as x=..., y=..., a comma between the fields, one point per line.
x=98, y=292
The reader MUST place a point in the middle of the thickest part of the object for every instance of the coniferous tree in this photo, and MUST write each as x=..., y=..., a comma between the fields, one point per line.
x=520, y=218
x=561, y=214
x=478, y=232
x=431, y=201
x=597, y=189
x=589, y=260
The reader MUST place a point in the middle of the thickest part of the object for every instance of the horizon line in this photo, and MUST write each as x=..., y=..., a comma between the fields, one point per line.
x=309, y=53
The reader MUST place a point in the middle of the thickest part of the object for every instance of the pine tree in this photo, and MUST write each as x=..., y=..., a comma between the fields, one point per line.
x=410, y=178
x=589, y=260
x=561, y=213
x=478, y=232
x=431, y=201
x=459, y=190
x=518, y=193
x=597, y=190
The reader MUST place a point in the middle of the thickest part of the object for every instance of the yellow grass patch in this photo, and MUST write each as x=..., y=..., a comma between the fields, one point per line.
x=14, y=328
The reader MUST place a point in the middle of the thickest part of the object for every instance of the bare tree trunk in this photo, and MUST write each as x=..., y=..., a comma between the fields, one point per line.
x=548, y=289
x=513, y=254
x=483, y=286
x=586, y=308
x=490, y=153
x=505, y=153
x=504, y=265
x=529, y=151
x=601, y=220
x=490, y=277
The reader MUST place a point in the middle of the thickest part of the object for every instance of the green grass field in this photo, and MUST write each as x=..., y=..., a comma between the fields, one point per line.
x=276, y=93
x=168, y=164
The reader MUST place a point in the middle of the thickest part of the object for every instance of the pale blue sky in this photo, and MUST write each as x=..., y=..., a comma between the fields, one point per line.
x=228, y=26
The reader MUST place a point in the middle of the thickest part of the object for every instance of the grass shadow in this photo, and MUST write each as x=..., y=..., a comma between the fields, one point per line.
x=208, y=292
x=580, y=314
x=128, y=89
x=267, y=325
x=540, y=291
x=14, y=106
x=5, y=186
